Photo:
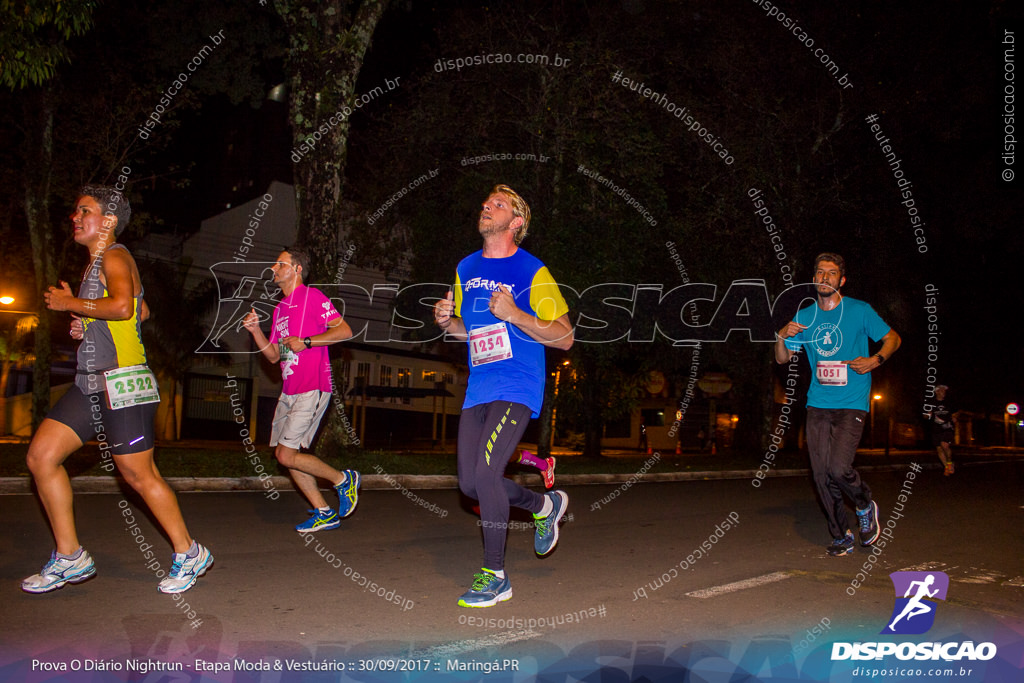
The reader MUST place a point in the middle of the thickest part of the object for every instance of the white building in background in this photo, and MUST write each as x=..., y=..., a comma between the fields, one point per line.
x=235, y=249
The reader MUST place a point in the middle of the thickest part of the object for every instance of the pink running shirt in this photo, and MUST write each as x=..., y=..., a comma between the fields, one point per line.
x=304, y=313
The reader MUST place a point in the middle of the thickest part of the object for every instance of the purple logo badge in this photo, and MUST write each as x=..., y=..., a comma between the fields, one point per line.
x=914, y=612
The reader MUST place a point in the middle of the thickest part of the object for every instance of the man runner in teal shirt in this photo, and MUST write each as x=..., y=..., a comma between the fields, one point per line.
x=834, y=332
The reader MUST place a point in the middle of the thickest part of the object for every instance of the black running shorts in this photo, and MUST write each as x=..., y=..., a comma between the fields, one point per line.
x=125, y=431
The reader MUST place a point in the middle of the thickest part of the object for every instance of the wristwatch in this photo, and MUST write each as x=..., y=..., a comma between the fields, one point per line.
x=307, y=342
x=880, y=357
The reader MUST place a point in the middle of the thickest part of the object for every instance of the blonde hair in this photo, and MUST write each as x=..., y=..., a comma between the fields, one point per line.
x=519, y=208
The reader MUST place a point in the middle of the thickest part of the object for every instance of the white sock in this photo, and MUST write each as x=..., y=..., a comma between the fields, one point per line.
x=546, y=510
x=500, y=573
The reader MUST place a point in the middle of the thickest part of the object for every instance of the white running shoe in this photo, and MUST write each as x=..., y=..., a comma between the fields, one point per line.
x=59, y=571
x=185, y=570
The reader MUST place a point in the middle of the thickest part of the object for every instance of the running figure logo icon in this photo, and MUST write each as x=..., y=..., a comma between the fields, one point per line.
x=914, y=612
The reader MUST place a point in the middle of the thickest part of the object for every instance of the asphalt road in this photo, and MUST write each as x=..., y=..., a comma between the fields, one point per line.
x=607, y=598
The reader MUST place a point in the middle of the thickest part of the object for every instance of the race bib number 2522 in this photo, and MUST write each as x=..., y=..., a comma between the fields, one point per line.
x=131, y=386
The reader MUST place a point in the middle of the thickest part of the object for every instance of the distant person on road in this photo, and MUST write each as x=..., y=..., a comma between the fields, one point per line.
x=834, y=332
x=942, y=427
x=114, y=400
x=507, y=307
x=304, y=323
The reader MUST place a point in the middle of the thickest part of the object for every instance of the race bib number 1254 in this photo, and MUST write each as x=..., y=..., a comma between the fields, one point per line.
x=489, y=344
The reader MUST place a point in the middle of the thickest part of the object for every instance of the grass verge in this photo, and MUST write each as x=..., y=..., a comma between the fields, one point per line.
x=226, y=460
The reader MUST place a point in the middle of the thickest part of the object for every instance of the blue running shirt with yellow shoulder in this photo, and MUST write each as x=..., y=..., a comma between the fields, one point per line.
x=837, y=335
x=505, y=374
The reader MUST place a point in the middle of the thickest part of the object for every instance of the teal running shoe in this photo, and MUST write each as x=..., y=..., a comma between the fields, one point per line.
x=546, y=535
x=487, y=590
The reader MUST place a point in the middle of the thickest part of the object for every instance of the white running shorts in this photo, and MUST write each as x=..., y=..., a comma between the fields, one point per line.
x=297, y=418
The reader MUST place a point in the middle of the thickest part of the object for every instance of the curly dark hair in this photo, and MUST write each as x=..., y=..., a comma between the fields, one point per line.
x=113, y=202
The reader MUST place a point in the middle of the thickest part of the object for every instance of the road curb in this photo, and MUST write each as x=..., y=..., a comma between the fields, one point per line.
x=112, y=484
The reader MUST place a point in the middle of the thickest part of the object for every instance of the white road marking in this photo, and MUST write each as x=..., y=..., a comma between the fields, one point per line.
x=928, y=567
x=963, y=574
x=983, y=576
x=739, y=585
x=462, y=646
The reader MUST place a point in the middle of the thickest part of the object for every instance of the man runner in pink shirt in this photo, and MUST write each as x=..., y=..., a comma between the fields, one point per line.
x=305, y=322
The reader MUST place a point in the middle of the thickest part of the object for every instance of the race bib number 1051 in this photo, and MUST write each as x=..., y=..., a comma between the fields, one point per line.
x=831, y=373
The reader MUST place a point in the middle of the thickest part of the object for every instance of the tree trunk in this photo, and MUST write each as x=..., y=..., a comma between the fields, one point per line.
x=593, y=424
x=38, y=109
x=592, y=439
x=328, y=40
x=3, y=378
x=170, y=430
x=544, y=435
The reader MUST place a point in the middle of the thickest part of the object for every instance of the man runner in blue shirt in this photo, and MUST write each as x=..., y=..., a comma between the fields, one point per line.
x=507, y=307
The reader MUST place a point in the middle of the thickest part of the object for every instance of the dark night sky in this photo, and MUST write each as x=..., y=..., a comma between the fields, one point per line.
x=933, y=72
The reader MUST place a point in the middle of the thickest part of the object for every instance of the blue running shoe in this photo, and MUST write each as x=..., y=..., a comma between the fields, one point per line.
x=841, y=546
x=348, y=493
x=185, y=570
x=320, y=521
x=59, y=571
x=869, y=529
x=546, y=535
x=487, y=590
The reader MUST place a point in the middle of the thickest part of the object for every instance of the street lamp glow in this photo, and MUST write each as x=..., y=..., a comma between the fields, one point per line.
x=6, y=300
x=875, y=397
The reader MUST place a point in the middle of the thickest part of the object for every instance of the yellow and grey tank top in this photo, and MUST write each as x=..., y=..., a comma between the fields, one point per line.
x=106, y=344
